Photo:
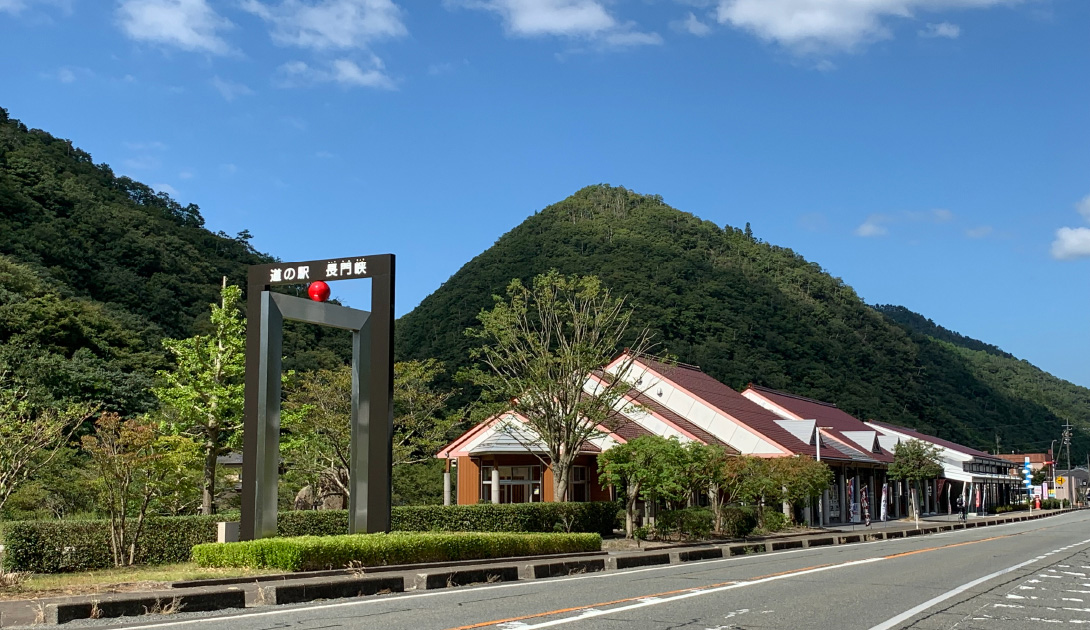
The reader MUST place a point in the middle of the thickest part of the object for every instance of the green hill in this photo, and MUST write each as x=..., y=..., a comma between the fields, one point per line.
x=96, y=269
x=748, y=311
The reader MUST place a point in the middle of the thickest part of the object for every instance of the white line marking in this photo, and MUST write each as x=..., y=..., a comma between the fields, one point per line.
x=690, y=594
x=912, y=612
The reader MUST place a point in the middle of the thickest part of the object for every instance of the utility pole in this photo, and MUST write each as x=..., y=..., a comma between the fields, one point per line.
x=1067, y=443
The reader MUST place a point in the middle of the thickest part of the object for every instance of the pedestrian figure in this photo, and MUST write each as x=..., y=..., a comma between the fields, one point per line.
x=963, y=509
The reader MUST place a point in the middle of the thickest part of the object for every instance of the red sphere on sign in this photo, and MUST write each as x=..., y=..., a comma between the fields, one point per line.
x=318, y=291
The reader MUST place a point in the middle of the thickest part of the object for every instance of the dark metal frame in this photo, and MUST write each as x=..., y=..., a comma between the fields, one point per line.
x=372, y=386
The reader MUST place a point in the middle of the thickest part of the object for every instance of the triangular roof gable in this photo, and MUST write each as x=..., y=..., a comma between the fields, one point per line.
x=723, y=400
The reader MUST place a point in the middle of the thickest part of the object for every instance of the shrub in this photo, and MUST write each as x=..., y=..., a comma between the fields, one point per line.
x=59, y=546
x=1066, y=503
x=329, y=552
x=774, y=521
x=598, y=517
x=739, y=521
x=691, y=522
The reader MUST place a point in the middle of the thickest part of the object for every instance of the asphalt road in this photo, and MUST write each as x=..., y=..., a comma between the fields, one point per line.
x=1015, y=576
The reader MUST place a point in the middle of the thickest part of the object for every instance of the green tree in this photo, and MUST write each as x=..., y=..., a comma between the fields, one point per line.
x=202, y=397
x=802, y=478
x=646, y=467
x=317, y=433
x=31, y=433
x=543, y=343
x=1039, y=476
x=124, y=454
x=915, y=461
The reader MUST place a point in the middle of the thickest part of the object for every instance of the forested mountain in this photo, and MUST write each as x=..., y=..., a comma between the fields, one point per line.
x=96, y=269
x=748, y=311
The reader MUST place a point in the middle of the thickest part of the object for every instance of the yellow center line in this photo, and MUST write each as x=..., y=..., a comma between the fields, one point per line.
x=559, y=611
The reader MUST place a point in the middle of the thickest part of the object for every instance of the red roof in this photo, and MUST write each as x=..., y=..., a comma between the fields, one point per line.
x=681, y=422
x=826, y=414
x=954, y=446
x=731, y=403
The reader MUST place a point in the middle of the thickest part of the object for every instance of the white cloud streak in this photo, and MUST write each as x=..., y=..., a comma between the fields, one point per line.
x=942, y=29
x=344, y=72
x=582, y=19
x=230, y=90
x=330, y=24
x=1073, y=243
x=691, y=25
x=811, y=26
x=875, y=225
x=190, y=25
x=878, y=224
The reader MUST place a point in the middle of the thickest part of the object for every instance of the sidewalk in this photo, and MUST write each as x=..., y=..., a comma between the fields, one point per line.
x=268, y=590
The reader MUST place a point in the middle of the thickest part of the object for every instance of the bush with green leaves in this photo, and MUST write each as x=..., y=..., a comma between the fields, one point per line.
x=331, y=552
x=694, y=523
x=774, y=521
x=60, y=546
x=598, y=517
x=738, y=521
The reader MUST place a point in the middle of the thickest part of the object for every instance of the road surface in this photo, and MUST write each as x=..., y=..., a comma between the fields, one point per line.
x=1015, y=576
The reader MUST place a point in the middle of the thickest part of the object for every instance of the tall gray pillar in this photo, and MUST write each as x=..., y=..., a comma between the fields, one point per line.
x=495, y=484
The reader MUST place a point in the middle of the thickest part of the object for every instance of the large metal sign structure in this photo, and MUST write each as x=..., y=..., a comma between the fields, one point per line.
x=372, y=386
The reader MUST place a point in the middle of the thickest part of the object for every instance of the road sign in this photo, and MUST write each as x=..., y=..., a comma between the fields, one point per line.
x=1060, y=480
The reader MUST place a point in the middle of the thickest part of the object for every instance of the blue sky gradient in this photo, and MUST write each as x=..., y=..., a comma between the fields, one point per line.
x=932, y=153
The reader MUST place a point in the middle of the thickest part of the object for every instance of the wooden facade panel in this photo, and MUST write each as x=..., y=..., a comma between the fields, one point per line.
x=469, y=481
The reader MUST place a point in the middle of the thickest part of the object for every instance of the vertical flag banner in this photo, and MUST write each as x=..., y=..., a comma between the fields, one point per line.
x=885, y=499
x=978, y=498
x=865, y=504
x=938, y=496
x=851, y=499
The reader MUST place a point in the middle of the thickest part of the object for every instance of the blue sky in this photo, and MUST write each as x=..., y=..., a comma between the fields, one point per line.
x=932, y=153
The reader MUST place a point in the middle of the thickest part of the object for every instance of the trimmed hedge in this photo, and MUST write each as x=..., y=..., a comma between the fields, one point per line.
x=59, y=546
x=331, y=552
x=598, y=517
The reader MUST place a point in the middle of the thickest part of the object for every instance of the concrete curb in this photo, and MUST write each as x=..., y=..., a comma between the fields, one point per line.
x=132, y=606
x=256, y=591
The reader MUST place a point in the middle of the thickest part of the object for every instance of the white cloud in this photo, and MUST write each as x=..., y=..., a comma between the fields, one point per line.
x=1083, y=206
x=692, y=25
x=187, y=24
x=229, y=89
x=819, y=25
x=942, y=29
x=330, y=24
x=979, y=232
x=878, y=224
x=166, y=188
x=342, y=71
x=586, y=19
x=1071, y=243
x=874, y=226
x=142, y=163
x=12, y=6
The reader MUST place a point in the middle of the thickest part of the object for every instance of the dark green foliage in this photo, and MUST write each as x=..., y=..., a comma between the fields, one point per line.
x=748, y=311
x=331, y=552
x=599, y=517
x=61, y=546
x=693, y=523
x=774, y=521
x=95, y=269
x=312, y=523
x=739, y=521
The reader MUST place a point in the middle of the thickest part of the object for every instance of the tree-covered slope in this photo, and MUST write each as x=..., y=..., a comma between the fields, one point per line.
x=747, y=311
x=96, y=269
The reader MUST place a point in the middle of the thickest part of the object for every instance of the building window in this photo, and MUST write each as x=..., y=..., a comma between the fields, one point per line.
x=518, y=484
x=579, y=490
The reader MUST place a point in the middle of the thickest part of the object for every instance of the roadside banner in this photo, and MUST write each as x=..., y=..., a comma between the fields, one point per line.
x=885, y=500
x=851, y=499
x=865, y=504
x=978, y=498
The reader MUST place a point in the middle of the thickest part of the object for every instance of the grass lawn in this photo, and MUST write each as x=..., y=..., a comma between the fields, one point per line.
x=120, y=580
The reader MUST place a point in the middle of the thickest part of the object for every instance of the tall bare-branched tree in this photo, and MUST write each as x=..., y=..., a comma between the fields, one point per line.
x=544, y=349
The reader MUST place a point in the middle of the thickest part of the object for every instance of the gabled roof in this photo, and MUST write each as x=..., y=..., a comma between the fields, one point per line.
x=730, y=403
x=679, y=421
x=953, y=446
x=852, y=433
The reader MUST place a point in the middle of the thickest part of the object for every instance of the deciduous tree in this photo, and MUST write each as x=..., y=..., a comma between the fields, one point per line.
x=915, y=461
x=542, y=344
x=202, y=397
